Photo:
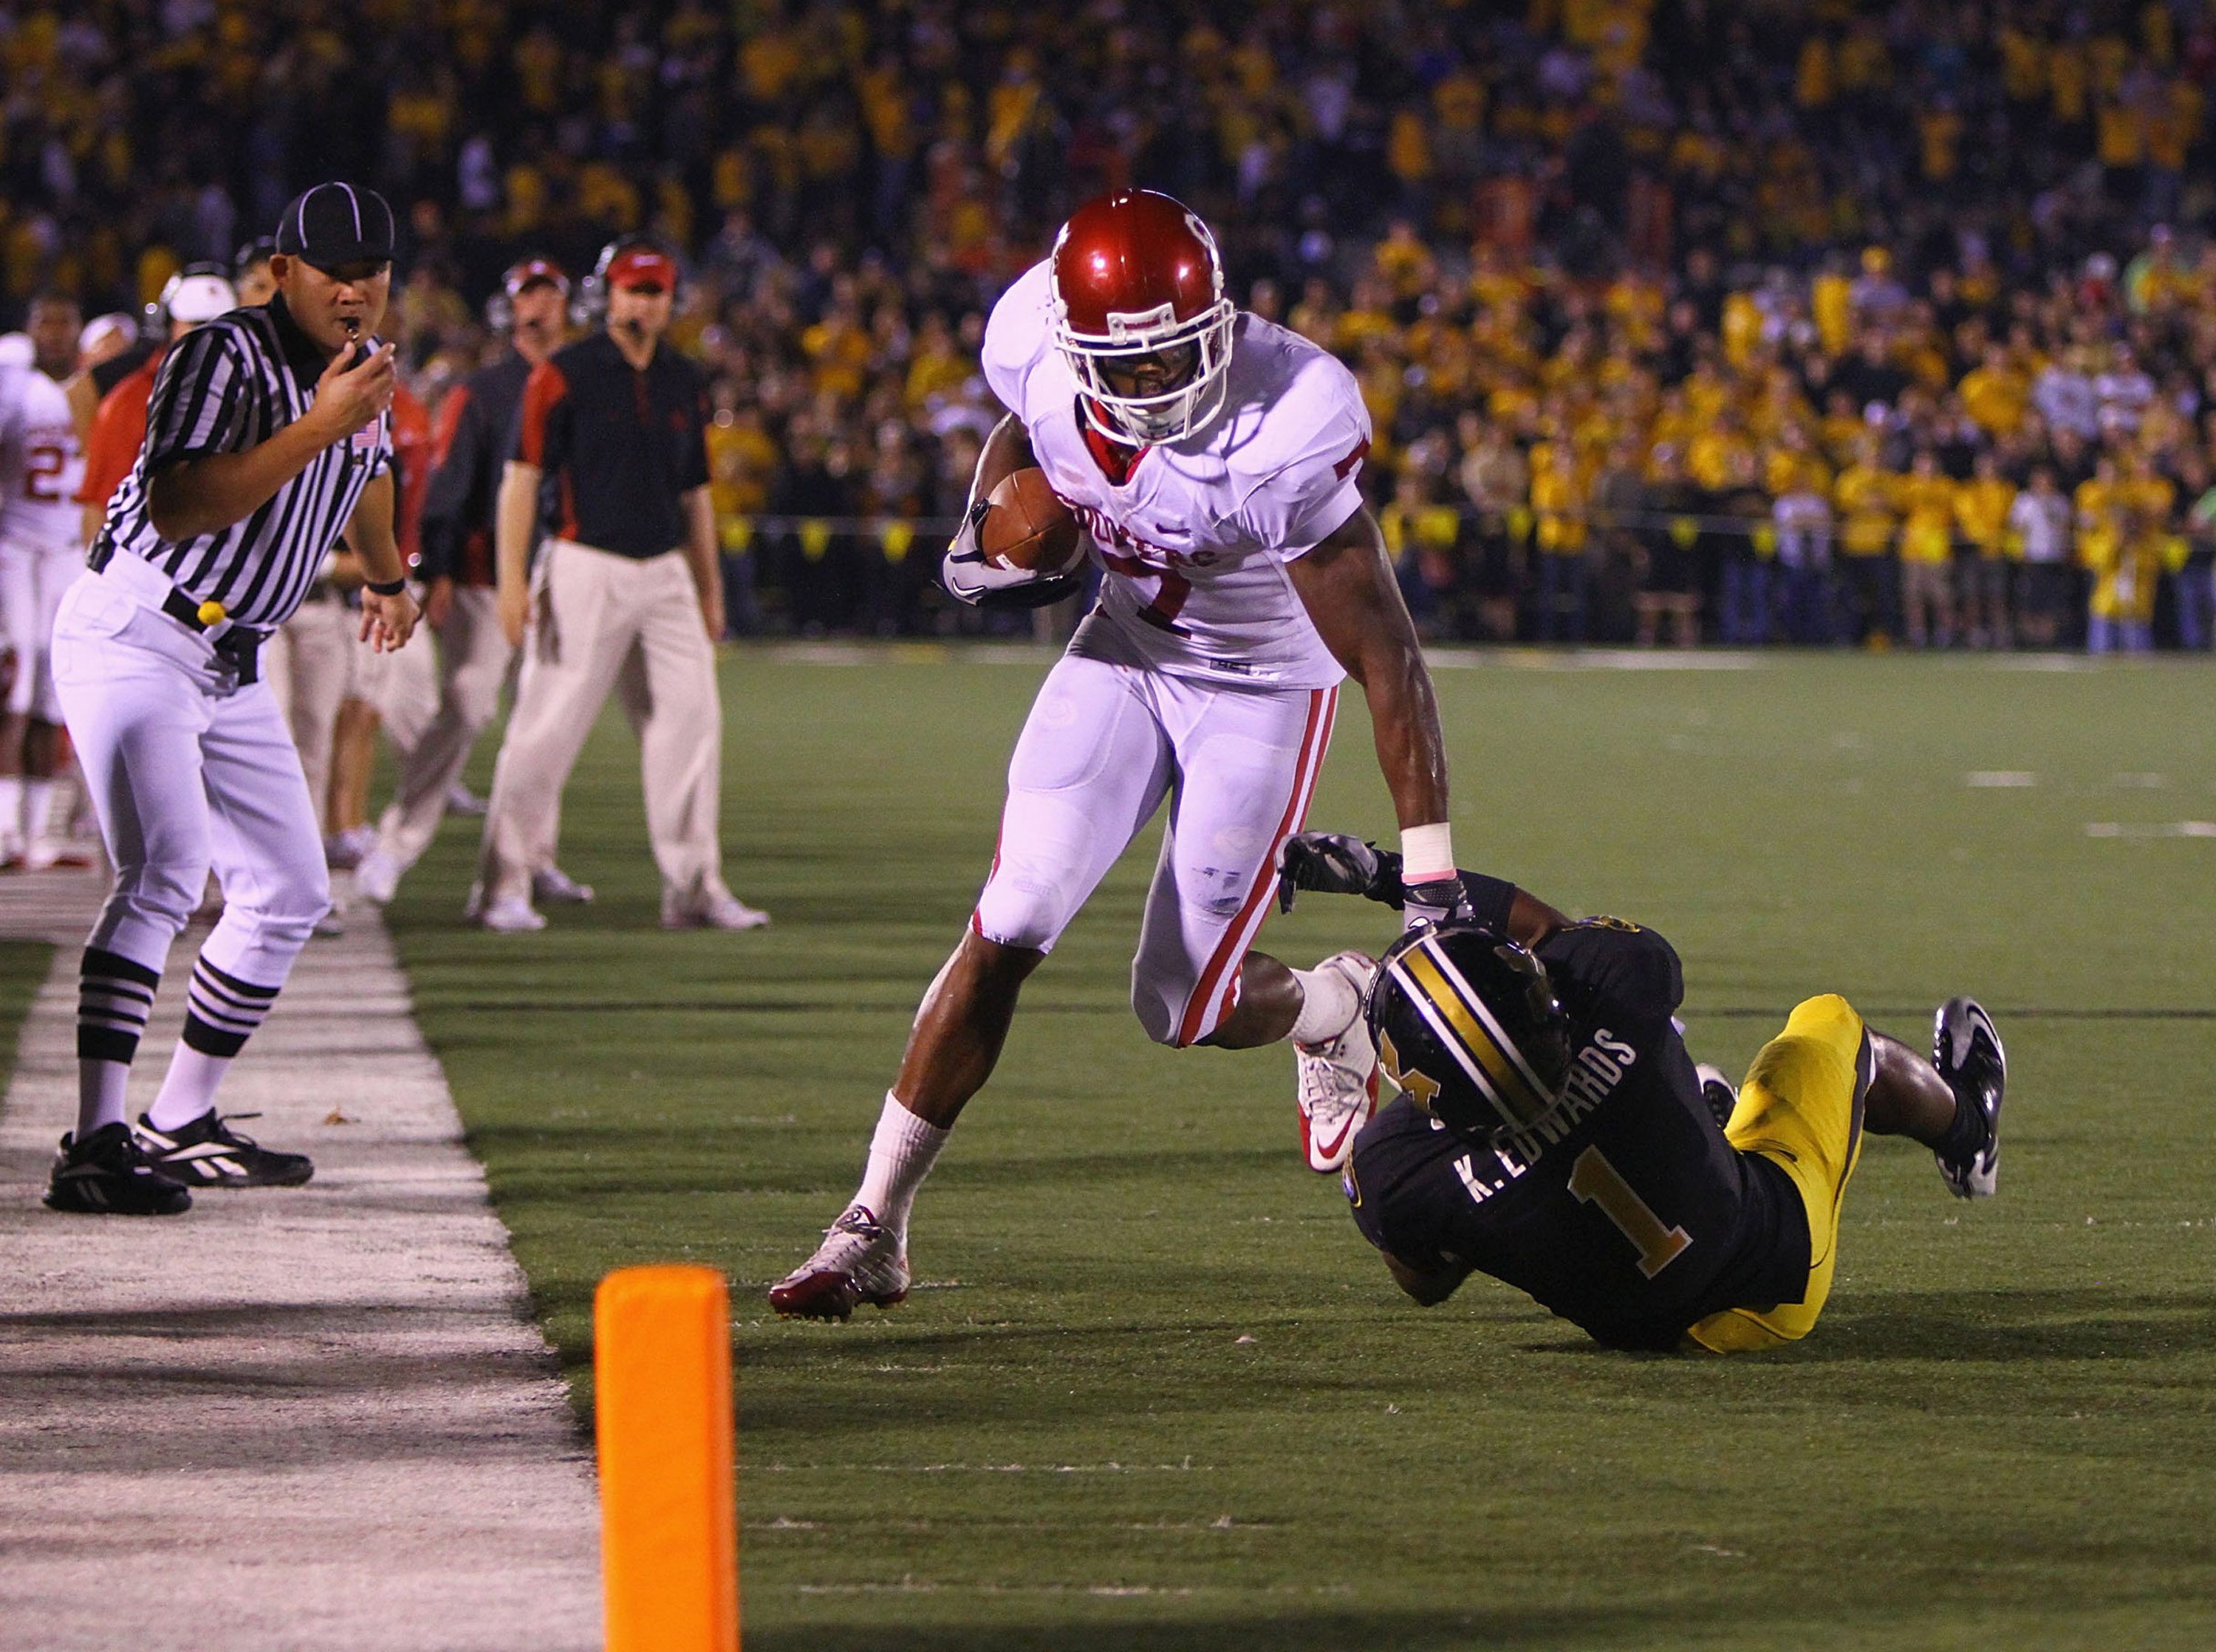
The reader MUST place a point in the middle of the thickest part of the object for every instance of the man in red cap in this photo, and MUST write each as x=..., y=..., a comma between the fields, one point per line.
x=468, y=454
x=627, y=588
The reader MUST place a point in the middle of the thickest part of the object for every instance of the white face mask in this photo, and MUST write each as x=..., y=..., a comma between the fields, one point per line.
x=1167, y=415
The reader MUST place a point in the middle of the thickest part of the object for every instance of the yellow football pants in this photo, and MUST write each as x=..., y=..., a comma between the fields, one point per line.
x=1801, y=1108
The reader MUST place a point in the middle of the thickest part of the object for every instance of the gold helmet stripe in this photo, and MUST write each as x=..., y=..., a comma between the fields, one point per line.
x=1489, y=1066
x=1508, y=1046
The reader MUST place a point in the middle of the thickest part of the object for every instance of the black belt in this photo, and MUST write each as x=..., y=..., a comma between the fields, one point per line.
x=239, y=644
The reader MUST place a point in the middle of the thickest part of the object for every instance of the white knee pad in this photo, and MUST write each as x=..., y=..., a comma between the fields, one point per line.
x=1045, y=871
x=1160, y=1005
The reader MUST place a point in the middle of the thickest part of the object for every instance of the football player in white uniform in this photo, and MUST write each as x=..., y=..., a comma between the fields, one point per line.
x=1212, y=458
x=41, y=552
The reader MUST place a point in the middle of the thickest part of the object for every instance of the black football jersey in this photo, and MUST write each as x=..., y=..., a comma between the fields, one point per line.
x=1626, y=1212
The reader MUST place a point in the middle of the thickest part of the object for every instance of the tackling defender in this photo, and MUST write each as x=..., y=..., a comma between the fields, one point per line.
x=1551, y=1131
x=1212, y=456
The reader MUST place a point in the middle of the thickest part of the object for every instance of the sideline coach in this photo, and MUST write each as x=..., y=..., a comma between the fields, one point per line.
x=475, y=424
x=627, y=591
x=267, y=438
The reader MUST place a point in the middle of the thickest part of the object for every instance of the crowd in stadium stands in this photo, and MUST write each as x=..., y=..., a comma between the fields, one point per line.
x=1736, y=319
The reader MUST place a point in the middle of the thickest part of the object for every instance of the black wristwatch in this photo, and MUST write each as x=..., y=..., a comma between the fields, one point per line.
x=386, y=588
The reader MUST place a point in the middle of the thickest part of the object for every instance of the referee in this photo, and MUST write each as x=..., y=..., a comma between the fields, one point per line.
x=267, y=438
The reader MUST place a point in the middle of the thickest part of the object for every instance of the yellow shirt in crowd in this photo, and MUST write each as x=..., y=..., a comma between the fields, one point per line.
x=1927, y=526
x=1864, y=496
x=1981, y=512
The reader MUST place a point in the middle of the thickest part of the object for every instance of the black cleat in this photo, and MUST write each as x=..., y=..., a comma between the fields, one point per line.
x=209, y=1153
x=1967, y=1051
x=107, y=1174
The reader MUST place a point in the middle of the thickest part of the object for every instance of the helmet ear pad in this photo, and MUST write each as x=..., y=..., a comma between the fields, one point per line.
x=1467, y=1025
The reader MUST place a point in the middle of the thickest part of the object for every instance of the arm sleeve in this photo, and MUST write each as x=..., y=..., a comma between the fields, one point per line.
x=1619, y=963
x=542, y=421
x=203, y=399
x=381, y=460
x=118, y=431
x=1015, y=334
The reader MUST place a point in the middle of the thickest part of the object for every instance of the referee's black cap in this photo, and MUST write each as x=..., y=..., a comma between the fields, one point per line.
x=335, y=224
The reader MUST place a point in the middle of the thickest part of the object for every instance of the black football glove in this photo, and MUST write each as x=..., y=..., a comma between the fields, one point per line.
x=1441, y=900
x=970, y=578
x=1334, y=863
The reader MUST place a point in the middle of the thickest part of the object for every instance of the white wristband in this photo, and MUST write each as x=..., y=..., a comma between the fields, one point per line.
x=1426, y=853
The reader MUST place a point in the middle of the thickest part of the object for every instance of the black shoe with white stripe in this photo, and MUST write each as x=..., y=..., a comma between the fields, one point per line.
x=1967, y=1049
x=209, y=1153
x=107, y=1174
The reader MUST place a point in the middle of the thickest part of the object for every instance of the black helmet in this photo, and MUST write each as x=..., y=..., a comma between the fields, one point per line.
x=1468, y=1027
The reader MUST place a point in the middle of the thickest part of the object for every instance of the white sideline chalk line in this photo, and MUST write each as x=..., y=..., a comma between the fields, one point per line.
x=291, y=1418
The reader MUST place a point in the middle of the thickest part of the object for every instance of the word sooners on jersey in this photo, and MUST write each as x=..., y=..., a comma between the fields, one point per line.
x=1196, y=538
x=41, y=464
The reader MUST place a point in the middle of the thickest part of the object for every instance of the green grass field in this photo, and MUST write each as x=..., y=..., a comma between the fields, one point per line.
x=1156, y=1392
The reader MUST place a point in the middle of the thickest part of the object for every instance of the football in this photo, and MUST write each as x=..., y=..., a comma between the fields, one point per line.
x=1029, y=527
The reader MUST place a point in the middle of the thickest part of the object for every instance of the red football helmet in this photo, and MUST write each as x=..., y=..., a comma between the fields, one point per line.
x=1137, y=275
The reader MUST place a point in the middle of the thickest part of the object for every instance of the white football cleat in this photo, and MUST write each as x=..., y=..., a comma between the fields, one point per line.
x=1336, y=1081
x=511, y=916
x=860, y=1261
x=377, y=879
x=717, y=910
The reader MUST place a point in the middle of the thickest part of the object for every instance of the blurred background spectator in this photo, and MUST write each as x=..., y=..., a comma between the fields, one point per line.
x=1678, y=319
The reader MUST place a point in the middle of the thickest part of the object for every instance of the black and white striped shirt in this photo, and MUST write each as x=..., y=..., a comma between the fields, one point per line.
x=224, y=388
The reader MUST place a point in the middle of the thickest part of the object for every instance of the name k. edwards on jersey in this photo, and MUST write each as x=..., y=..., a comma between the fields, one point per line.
x=1599, y=1069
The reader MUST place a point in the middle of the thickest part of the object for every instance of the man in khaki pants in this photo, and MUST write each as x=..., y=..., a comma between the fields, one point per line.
x=627, y=594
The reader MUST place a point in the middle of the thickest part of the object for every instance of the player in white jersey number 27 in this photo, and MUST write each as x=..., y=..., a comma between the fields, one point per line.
x=1213, y=459
x=41, y=553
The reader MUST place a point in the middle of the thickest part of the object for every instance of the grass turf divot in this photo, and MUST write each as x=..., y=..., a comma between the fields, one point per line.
x=1164, y=1397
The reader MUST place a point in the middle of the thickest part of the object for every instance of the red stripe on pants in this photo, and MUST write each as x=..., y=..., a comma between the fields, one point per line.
x=1323, y=704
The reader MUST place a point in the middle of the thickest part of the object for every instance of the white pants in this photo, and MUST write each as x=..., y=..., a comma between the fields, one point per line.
x=402, y=686
x=473, y=661
x=308, y=663
x=1104, y=744
x=187, y=771
x=601, y=622
x=31, y=581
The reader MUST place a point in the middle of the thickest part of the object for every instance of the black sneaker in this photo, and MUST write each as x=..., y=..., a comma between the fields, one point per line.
x=209, y=1153
x=1967, y=1053
x=107, y=1174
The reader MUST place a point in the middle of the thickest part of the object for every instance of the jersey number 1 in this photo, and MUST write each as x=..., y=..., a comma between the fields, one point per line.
x=1594, y=1181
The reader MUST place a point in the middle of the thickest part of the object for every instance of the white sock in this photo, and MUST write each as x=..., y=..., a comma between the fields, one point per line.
x=38, y=804
x=101, y=1087
x=900, y=1155
x=1329, y=1004
x=11, y=808
x=187, y=1089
